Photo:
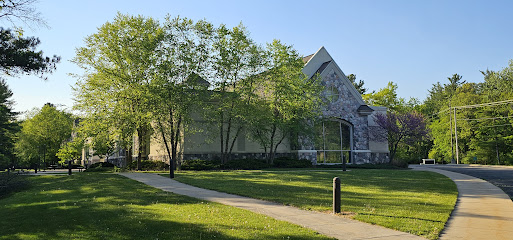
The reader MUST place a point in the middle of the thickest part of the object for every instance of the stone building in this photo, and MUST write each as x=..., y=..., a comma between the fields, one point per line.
x=342, y=135
x=345, y=132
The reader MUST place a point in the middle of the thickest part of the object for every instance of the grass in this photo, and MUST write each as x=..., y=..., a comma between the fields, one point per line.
x=108, y=206
x=410, y=201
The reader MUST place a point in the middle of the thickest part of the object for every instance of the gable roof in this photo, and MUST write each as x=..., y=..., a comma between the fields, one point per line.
x=321, y=63
x=322, y=67
x=307, y=58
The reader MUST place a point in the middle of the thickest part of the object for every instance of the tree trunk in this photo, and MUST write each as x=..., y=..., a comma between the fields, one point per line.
x=227, y=140
x=234, y=139
x=174, y=141
x=221, y=132
x=140, y=139
x=162, y=133
x=276, y=148
x=270, y=158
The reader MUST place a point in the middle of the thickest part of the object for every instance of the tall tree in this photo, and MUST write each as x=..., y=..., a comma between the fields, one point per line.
x=358, y=85
x=286, y=98
x=455, y=81
x=120, y=62
x=99, y=134
x=42, y=135
x=8, y=126
x=235, y=58
x=71, y=151
x=179, y=88
x=19, y=55
x=386, y=97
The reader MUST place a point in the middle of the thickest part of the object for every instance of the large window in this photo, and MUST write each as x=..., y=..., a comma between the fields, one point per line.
x=333, y=142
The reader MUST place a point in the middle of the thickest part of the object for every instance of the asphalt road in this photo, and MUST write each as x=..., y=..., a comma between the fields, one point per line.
x=500, y=176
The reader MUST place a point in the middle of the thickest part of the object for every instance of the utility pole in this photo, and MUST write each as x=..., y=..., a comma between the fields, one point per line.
x=496, y=144
x=452, y=145
x=456, y=137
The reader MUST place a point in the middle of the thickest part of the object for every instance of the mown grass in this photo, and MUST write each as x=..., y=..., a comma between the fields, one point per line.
x=108, y=206
x=410, y=201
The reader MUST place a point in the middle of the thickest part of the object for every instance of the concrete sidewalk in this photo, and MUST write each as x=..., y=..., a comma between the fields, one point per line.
x=483, y=211
x=327, y=224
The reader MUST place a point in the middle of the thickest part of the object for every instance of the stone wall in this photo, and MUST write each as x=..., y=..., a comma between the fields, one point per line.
x=312, y=156
x=346, y=108
x=370, y=157
x=216, y=156
x=213, y=156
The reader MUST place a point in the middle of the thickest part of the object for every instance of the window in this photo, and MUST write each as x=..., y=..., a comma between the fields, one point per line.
x=332, y=93
x=333, y=142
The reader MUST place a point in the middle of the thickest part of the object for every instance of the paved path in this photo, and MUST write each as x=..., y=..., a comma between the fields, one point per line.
x=327, y=224
x=500, y=176
x=483, y=211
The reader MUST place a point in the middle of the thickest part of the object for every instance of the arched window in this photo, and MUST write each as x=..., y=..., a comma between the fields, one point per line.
x=334, y=142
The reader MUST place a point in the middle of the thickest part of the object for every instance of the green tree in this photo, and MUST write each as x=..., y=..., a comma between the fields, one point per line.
x=179, y=88
x=120, y=62
x=42, y=135
x=235, y=58
x=386, y=97
x=19, y=55
x=441, y=124
x=8, y=126
x=99, y=134
x=286, y=98
x=494, y=128
x=71, y=151
x=358, y=85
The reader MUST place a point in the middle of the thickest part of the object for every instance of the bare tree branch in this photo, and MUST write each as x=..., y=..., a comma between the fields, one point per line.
x=23, y=11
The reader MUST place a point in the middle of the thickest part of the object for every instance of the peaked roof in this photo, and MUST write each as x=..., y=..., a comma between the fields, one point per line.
x=307, y=58
x=321, y=63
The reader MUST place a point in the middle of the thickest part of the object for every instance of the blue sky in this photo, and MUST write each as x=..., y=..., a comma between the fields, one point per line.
x=412, y=43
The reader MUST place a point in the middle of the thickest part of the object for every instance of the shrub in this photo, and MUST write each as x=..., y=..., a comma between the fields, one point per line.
x=400, y=163
x=284, y=162
x=11, y=183
x=198, y=164
x=148, y=165
x=101, y=164
x=361, y=166
x=246, y=164
x=101, y=167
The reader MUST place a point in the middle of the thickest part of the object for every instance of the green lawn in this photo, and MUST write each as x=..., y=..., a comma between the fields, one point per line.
x=410, y=201
x=108, y=206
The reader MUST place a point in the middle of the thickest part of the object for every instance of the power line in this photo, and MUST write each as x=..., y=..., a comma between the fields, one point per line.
x=501, y=125
x=490, y=104
x=477, y=119
x=485, y=104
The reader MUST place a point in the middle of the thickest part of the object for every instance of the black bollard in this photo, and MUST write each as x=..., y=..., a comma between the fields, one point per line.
x=69, y=167
x=336, y=195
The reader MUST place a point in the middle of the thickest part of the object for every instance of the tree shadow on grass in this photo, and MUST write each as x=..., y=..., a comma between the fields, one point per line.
x=388, y=187
x=113, y=207
x=387, y=197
